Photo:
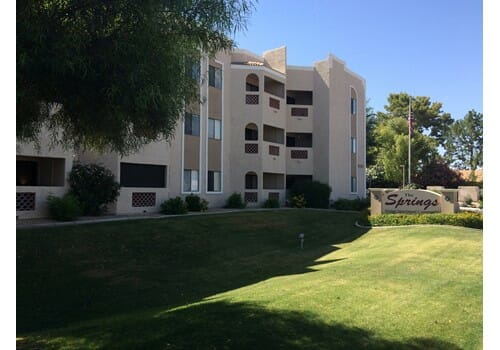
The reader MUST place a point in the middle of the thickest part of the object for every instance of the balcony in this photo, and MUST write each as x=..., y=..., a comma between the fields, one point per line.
x=299, y=160
x=300, y=118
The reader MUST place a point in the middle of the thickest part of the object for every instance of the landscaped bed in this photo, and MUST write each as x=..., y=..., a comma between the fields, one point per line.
x=241, y=281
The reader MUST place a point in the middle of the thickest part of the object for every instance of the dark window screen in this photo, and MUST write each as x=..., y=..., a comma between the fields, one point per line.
x=142, y=175
x=26, y=173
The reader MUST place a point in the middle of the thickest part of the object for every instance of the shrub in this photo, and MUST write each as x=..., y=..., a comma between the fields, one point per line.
x=271, y=203
x=465, y=219
x=351, y=204
x=316, y=194
x=65, y=208
x=94, y=186
x=174, y=206
x=297, y=201
x=195, y=203
x=468, y=201
x=235, y=201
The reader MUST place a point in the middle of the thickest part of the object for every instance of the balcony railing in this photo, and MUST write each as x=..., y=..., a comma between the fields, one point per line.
x=274, y=150
x=251, y=197
x=25, y=201
x=274, y=103
x=299, y=112
x=143, y=199
x=298, y=154
x=252, y=99
x=252, y=148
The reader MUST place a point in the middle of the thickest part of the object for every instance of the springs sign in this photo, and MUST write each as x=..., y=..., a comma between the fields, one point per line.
x=413, y=201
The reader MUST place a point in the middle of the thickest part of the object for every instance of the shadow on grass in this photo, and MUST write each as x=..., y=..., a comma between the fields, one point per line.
x=78, y=273
x=222, y=325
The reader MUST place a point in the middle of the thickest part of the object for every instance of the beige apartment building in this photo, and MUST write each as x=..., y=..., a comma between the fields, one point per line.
x=261, y=126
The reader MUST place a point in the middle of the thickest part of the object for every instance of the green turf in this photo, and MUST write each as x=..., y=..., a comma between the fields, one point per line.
x=241, y=281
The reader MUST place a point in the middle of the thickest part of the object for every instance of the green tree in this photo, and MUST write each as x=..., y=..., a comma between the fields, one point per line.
x=429, y=118
x=464, y=142
x=112, y=74
x=371, y=124
x=392, y=144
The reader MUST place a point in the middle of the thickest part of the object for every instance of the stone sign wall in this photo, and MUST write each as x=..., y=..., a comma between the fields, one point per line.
x=387, y=200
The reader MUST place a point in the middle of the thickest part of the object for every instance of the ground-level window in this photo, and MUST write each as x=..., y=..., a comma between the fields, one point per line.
x=191, y=180
x=354, y=184
x=142, y=175
x=214, y=181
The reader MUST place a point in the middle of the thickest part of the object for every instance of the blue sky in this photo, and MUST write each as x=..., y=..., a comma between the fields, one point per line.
x=425, y=48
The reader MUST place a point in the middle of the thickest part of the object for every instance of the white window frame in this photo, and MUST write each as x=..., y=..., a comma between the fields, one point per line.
x=217, y=177
x=194, y=184
x=354, y=184
x=214, y=128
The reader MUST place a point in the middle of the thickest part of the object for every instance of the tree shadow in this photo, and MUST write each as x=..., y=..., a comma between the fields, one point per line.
x=73, y=274
x=223, y=325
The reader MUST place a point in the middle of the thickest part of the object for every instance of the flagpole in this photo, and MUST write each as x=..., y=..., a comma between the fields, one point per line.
x=410, y=126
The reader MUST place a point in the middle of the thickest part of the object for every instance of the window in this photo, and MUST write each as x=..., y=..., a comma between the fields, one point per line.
x=296, y=139
x=353, y=145
x=40, y=171
x=252, y=83
x=299, y=97
x=354, y=105
x=142, y=175
x=354, y=184
x=214, y=181
x=215, y=77
x=191, y=124
x=251, y=181
x=214, y=129
x=251, y=132
x=26, y=173
x=191, y=183
x=193, y=69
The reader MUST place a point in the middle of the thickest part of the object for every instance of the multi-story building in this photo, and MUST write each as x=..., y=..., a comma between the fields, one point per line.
x=261, y=125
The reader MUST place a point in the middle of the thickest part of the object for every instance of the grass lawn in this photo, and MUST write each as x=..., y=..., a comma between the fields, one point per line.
x=241, y=281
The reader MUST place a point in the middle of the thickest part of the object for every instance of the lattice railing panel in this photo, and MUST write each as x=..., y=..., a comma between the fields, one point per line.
x=298, y=154
x=252, y=99
x=274, y=150
x=143, y=199
x=274, y=103
x=251, y=148
x=250, y=197
x=25, y=201
x=299, y=112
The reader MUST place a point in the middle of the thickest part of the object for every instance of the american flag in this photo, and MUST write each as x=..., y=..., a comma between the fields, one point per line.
x=411, y=121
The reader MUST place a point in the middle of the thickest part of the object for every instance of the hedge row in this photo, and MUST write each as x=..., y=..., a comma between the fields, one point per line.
x=465, y=219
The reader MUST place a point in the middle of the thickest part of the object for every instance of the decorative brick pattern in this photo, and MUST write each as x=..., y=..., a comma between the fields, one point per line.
x=250, y=197
x=25, y=201
x=300, y=112
x=298, y=154
x=143, y=199
x=251, y=148
x=274, y=195
x=274, y=103
x=252, y=99
x=274, y=150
